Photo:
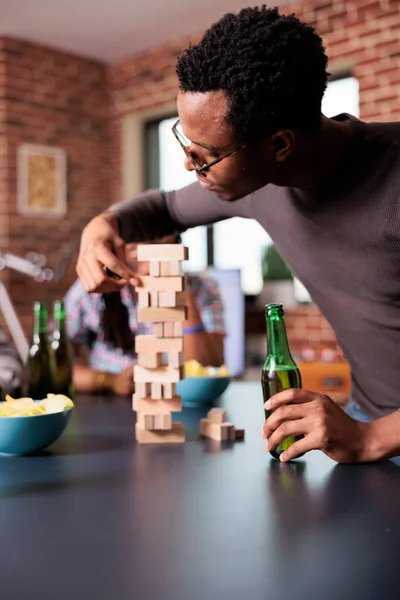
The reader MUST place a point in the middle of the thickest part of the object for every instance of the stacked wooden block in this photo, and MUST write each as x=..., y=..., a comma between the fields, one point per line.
x=162, y=301
x=217, y=428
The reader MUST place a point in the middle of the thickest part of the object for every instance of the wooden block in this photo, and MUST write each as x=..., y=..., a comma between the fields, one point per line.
x=178, y=329
x=154, y=299
x=168, y=330
x=162, y=252
x=156, y=390
x=146, y=421
x=158, y=330
x=161, y=284
x=214, y=431
x=161, y=375
x=142, y=390
x=174, y=435
x=216, y=415
x=163, y=421
x=164, y=269
x=161, y=315
x=175, y=359
x=150, y=360
x=153, y=406
x=168, y=390
x=171, y=268
x=239, y=434
x=171, y=299
x=155, y=270
x=228, y=431
x=143, y=299
x=150, y=343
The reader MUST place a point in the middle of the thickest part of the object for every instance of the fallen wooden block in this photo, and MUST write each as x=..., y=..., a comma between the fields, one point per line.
x=149, y=360
x=146, y=421
x=162, y=252
x=163, y=374
x=161, y=284
x=163, y=421
x=239, y=434
x=216, y=415
x=174, y=435
x=153, y=406
x=217, y=431
x=171, y=299
x=150, y=343
x=161, y=315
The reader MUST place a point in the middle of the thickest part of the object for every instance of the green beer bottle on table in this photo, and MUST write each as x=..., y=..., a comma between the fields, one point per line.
x=40, y=360
x=63, y=353
x=280, y=371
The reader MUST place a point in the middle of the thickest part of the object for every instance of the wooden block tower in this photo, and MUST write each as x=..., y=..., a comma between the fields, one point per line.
x=162, y=301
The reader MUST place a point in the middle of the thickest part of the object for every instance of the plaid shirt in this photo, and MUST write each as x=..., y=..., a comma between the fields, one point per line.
x=84, y=317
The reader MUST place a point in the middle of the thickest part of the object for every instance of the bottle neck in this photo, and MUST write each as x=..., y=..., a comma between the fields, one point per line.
x=277, y=342
x=40, y=326
x=59, y=325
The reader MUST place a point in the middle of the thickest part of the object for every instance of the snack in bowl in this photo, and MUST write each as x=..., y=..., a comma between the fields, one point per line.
x=202, y=385
x=28, y=426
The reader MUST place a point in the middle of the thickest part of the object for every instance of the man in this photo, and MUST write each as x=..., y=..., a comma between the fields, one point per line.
x=326, y=190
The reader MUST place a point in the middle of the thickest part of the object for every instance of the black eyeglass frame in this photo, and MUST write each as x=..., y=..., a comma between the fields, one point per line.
x=192, y=159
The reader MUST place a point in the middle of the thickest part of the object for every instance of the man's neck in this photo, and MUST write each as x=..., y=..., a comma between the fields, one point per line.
x=316, y=157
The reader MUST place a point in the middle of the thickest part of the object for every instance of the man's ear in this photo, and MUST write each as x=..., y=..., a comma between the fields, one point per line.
x=283, y=143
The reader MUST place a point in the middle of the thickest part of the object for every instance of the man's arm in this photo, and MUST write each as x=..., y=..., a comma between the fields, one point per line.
x=148, y=216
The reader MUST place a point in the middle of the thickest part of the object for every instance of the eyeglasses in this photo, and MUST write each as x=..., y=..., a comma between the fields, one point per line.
x=185, y=144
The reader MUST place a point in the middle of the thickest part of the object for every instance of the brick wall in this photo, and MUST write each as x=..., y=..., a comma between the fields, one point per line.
x=52, y=98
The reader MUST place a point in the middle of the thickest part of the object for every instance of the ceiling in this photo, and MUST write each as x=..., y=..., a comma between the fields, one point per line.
x=109, y=31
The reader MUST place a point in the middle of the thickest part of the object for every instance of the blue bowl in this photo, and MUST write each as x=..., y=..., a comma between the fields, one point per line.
x=198, y=391
x=26, y=435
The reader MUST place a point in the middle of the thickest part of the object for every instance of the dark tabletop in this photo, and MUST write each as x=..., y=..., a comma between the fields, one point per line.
x=97, y=517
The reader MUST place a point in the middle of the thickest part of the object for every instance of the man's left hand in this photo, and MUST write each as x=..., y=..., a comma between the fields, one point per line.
x=324, y=425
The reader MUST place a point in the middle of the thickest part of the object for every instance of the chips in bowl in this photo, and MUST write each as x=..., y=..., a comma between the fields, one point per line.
x=27, y=407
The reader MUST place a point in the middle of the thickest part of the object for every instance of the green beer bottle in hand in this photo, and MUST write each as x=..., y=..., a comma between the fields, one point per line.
x=40, y=361
x=63, y=353
x=280, y=371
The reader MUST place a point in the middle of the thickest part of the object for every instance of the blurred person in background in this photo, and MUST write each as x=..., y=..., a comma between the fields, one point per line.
x=103, y=328
x=11, y=369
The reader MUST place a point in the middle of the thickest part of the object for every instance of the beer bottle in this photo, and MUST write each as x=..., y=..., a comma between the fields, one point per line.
x=40, y=360
x=280, y=371
x=63, y=352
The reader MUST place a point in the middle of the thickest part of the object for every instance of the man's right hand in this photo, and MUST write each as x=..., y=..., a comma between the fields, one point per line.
x=101, y=246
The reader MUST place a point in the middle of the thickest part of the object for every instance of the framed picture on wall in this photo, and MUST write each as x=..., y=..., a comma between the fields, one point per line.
x=41, y=181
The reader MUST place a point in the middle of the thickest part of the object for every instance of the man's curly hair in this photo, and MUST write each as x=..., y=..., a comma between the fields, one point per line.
x=272, y=68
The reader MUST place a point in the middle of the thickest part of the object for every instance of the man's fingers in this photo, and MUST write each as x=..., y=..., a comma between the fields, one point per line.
x=283, y=413
x=107, y=258
x=299, y=448
x=295, y=395
x=94, y=278
x=285, y=430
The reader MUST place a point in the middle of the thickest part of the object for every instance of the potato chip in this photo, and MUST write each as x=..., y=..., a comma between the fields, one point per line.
x=24, y=407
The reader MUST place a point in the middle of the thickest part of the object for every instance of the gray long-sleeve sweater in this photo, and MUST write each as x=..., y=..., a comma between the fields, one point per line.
x=341, y=240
